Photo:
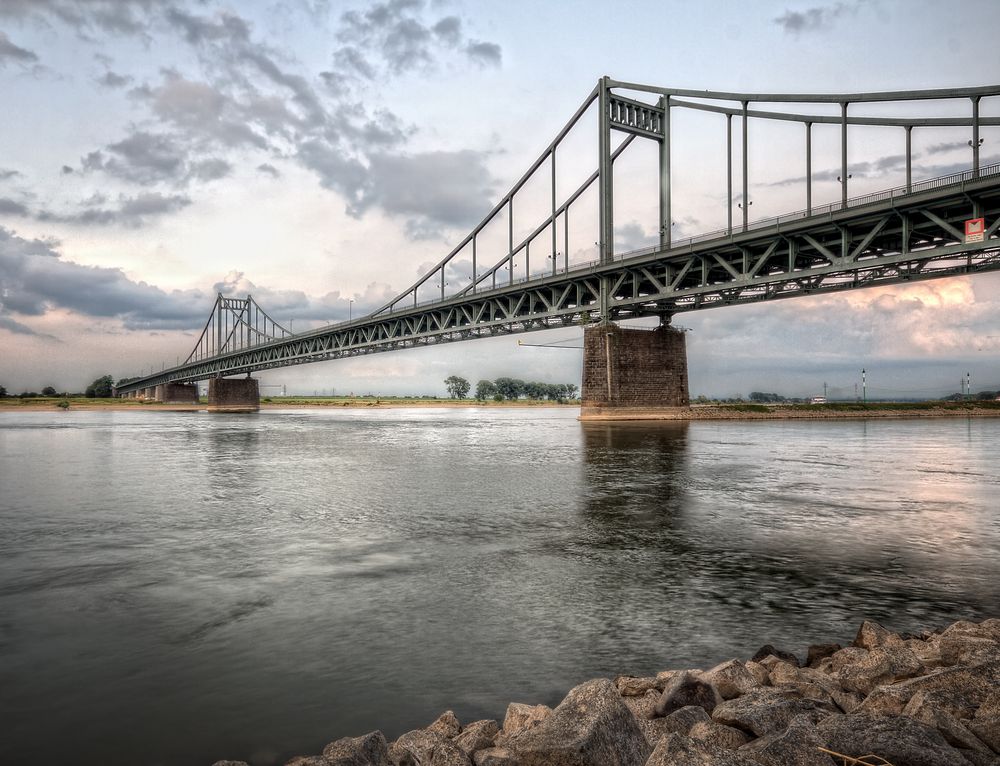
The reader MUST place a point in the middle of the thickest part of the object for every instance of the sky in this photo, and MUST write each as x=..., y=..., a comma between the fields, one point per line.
x=323, y=155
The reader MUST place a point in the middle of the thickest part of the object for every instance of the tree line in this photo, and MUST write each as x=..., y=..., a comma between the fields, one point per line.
x=99, y=389
x=510, y=389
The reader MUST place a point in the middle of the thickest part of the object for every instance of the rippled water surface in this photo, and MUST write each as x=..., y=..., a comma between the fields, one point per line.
x=181, y=587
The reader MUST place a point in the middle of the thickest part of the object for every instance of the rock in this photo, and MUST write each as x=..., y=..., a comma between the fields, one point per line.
x=990, y=706
x=797, y=745
x=980, y=759
x=923, y=707
x=898, y=739
x=871, y=635
x=961, y=649
x=883, y=665
x=678, y=750
x=519, y=719
x=987, y=730
x=681, y=721
x=478, y=735
x=687, y=689
x=632, y=686
x=306, y=760
x=927, y=651
x=494, y=756
x=989, y=629
x=447, y=753
x=446, y=725
x=814, y=684
x=369, y=750
x=642, y=708
x=818, y=652
x=759, y=672
x=731, y=679
x=967, y=689
x=765, y=710
x=230, y=763
x=718, y=734
x=414, y=748
x=590, y=727
x=769, y=651
x=849, y=655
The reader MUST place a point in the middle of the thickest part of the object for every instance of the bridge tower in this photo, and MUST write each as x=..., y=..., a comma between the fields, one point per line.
x=631, y=371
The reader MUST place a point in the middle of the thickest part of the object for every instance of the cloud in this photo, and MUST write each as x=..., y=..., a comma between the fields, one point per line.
x=114, y=80
x=485, y=54
x=12, y=207
x=116, y=16
x=11, y=52
x=6, y=173
x=35, y=279
x=268, y=169
x=132, y=212
x=813, y=19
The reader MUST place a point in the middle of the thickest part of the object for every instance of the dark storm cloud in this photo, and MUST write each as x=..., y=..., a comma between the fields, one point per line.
x=11, y=52
x=13, y=208
x=813, y=19
x=35, y=279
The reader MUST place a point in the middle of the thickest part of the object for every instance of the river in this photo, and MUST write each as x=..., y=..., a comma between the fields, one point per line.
x=177, y=588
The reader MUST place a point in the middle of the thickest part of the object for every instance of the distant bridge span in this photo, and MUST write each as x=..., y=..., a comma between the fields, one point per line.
x=911, y=232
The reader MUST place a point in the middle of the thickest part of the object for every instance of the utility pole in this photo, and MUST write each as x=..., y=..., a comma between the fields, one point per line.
x=864, y=387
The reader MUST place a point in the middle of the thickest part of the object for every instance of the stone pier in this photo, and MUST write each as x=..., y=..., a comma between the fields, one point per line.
x=177, y=393
x=633, y=373
x=233, y=395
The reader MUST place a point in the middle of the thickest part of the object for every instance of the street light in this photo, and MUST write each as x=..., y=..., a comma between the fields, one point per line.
x=864, y=387
x=350, y=309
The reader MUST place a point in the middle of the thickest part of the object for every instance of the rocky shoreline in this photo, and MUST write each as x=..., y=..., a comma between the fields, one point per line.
x=928, y=699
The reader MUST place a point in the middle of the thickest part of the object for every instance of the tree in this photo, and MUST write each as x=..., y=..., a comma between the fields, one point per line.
x=3, y=392
x=458, y=388
x=100, y=388
x=485, y=390
x=509, y=388
x=49, y=391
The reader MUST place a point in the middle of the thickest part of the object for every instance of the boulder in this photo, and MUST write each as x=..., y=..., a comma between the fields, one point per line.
x=871, y=635
x=849, y=655
x=633, y=686
x=883, y=665
x=447, y=753
x=519, y=719
x=681, y=721
x=797, y=745
x=306, y=760
x=990, y=705
x=730, y=679
x=759, y=672
x=967, y=689
x=414, y=748
x=980, y=759
x=494, y=756
x=677, y=750
x=446, y=725
x=687, y=689
x=898, y=739
x=478, y=735
x=590, y=727
x=642, y=708
x=765, y=710
x=814, y=684
x=770, y=651
x=718, y=735
x=960, y=649
x=989, y=629
x=987, y=730
x=818, y=652
x=369, y=750
x=230, y=763
x=926, y=708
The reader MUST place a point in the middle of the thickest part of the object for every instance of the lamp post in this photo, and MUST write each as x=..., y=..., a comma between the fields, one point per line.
x=350, y=309
x=864, y=387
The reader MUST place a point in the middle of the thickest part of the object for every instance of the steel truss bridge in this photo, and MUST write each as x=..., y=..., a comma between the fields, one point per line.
x=912, y=232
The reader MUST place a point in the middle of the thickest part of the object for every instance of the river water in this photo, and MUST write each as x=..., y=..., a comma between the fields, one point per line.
x=177, y=588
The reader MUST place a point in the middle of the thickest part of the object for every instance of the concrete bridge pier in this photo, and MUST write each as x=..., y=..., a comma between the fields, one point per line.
x=233, y=395
x=177, y=393
x=631, y=373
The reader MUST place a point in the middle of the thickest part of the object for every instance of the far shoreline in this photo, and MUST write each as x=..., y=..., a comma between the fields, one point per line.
x=696, y=412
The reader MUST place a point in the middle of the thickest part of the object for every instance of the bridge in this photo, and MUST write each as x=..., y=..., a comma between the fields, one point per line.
x=921, y=229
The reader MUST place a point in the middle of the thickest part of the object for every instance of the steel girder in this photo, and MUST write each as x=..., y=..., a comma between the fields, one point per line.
x=917, y=237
